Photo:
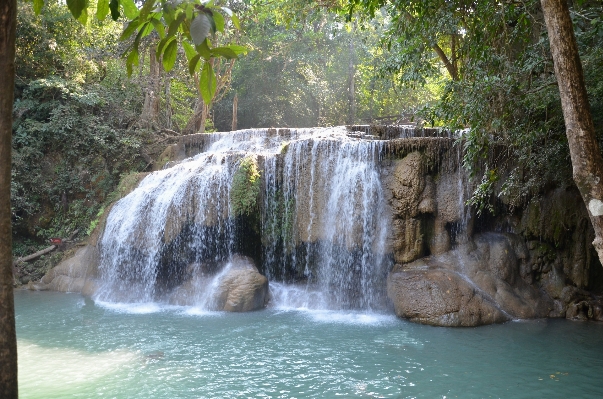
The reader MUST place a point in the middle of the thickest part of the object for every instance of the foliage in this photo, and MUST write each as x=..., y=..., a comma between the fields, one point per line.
x=499, y=82
x=301, y=63
x=245, y=188
x=482, y=194
x=70, y=145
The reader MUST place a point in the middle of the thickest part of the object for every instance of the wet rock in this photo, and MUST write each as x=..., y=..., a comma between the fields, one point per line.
x=90, y=287
x=578, y=311
x=440, y=297
x=571, y=294
x=449, y=198
x=440, y=241
x=242, y=288
x=70, y=275
x=427, y=202
x=408, y=240
x=406, y=185
x=477, y=283
x=597, y=311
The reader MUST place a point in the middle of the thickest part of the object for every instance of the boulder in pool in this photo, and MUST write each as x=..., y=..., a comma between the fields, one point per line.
x=240, y=287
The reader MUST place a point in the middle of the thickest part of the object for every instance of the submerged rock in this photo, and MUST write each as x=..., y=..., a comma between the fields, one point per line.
x=236, y=287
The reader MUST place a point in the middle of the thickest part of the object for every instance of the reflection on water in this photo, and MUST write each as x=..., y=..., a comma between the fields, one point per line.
x=71, y=347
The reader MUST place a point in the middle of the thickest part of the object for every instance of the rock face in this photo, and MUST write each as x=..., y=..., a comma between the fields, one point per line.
x=440, y=297
x=452, y=271
x=476, y=283
x=75, y=274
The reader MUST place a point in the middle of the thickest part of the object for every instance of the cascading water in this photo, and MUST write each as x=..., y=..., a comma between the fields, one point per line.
x=330, y=214
x=321, y=238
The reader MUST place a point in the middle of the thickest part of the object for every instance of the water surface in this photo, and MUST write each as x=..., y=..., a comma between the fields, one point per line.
x=70, y=346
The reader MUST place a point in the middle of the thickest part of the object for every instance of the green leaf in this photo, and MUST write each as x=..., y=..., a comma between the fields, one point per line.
x=212, y=22
x=131, y=60
x=76, y=7
x=207, y=83
x=204, y=50
x=237, y=49
x=145, y=29
x=190, y=9
x=224, y=52
x=158, y=27
x=219, y=20
x=131, y=28
x=193, y=64
x=189, y=50
x=173, y=28
x=130, y=9
x=162, y=43
x=235, y=22
x=37, y=6
x=114, y=7
x=83, y=18
x=102, y=9
x=133, y=57
x=169, y=55
x=146, y=9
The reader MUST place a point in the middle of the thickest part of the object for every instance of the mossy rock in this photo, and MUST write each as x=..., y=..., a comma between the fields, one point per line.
x=168, y=155
x=245, y=189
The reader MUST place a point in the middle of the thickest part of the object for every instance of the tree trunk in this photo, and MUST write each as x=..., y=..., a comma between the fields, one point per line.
x=168, y=102
x=587, y=162
x=235, y=105
x=151, y=107
x=8, y=337
x=351, y=83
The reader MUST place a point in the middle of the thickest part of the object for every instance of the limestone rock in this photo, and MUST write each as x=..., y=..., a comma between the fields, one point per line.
x=71, y=275
x=449, y=198
x=241, y=288
x=440, y=240
x=408, y=240
x=476, y=283
x=427, y=202
x=406, y=185
x=440, y=297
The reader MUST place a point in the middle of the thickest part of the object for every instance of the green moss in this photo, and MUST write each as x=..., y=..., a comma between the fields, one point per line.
x=281, y=226
x=284, y=148
x=245, y=189
x=127, y=184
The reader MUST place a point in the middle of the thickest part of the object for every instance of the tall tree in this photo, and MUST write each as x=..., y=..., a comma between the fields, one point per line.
x=8, y=338
x=587, y=163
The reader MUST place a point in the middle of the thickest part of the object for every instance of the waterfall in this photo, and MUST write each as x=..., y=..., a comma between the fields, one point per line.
x=318, y=230
x=331, y=213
